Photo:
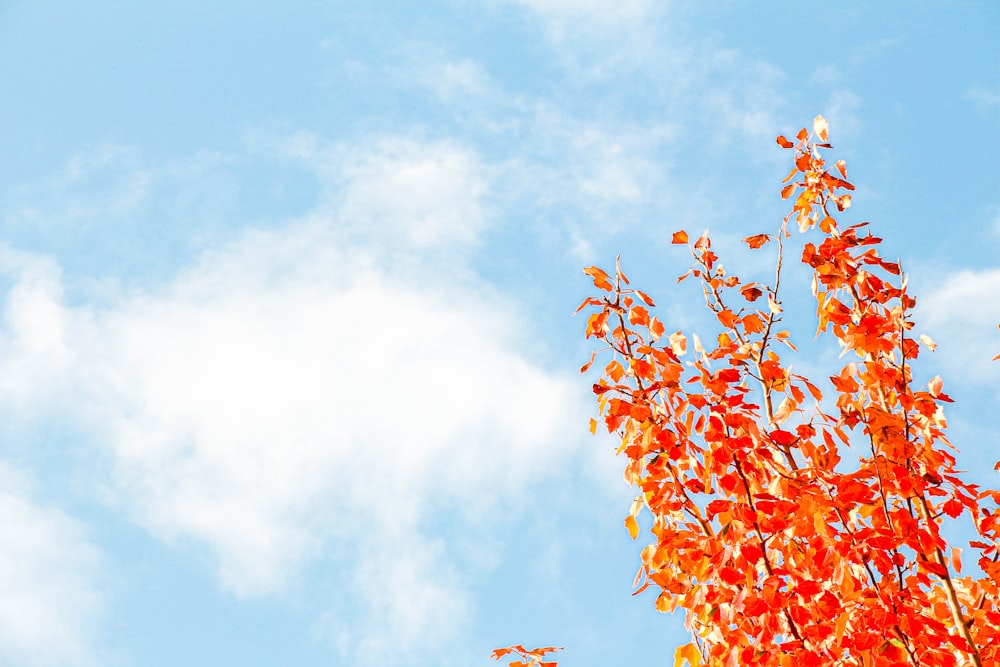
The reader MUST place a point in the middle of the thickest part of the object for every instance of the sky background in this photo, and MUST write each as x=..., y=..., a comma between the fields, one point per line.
x=288, y=372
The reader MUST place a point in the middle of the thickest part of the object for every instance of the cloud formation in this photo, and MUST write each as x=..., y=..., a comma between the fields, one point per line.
x=327, y=389
x=49, y=600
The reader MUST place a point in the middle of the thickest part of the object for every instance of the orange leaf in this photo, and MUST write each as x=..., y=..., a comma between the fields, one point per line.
x=679, y=238
x=656, y=328
x=727, y=317
x=601, y=279
x=638, y=316
x=842, y=168
x=784, y=143
x=752, y=323
x=757, y=240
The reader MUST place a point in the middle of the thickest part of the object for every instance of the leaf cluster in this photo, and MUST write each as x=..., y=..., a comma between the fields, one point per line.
x=796, y=521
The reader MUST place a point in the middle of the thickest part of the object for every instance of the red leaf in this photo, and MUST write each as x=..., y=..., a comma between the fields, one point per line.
x=784, y=143
x=679, y=238
x=751, y=293
x=730, y=575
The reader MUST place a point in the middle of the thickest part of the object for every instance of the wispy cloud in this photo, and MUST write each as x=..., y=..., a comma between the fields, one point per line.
x=983, y=95
x=606, y=11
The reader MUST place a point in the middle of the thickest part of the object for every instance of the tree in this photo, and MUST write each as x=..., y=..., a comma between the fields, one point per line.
x=780, y=548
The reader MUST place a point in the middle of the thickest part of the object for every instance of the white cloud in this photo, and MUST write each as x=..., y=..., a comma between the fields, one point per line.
x=961, y=314
x=404, y=185
x=401, y=191
x=596, y=39
x=328, y=388
x=48, y=570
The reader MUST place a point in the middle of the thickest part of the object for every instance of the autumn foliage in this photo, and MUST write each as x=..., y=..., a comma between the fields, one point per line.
x=796, y=521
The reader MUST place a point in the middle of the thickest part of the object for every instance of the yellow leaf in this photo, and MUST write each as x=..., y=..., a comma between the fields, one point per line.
x=633, y=527
x=688, y=652
x=928, y=341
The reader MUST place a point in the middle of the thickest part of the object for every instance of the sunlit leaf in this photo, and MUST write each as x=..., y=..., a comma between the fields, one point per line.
x=689, y=654
x=678, y=343
x=757, y=240
x=601, y=279
x=679, y=238
x=632, y=526
x=821, y=128
x=781, y=550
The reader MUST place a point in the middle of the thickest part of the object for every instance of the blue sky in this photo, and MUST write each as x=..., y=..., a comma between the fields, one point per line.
x=288, y=373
